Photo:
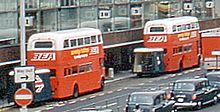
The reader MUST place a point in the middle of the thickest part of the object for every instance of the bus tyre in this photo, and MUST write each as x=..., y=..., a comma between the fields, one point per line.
x=75, y=91
x=102, y=84
x=181, y=66
x=139, y=75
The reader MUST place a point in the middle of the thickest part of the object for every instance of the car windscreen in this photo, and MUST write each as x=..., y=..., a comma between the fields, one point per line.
x=213, y=77
x=141, y=99
x=184, y=86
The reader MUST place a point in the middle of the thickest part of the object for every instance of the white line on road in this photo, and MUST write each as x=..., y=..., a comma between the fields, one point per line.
x=83, y=99
x=101, y=94
x=72, y=102
x=106, y=106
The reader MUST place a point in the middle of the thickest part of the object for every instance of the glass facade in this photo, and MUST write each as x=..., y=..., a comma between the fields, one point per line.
x=107, y=15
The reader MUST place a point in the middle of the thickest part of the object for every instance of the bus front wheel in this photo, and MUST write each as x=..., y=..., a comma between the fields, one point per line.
x=75, y=91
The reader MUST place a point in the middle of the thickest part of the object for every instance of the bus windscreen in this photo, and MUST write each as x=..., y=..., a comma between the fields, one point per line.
x=43, y=45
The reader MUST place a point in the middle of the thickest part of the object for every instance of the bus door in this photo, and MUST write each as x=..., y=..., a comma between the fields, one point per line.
x=148, y=62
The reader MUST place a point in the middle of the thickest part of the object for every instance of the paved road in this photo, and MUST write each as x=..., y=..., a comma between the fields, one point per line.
x=115, y=94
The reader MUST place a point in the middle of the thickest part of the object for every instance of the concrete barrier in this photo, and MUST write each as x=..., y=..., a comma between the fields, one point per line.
x=111, y=73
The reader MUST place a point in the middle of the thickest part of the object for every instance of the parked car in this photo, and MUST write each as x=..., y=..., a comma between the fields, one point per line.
x=214, y=79
x=193, y=93
x=154, y=101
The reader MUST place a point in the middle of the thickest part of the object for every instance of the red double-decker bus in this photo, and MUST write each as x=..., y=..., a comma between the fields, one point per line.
x=75, y=58
x=210, y=46
x=178, y=37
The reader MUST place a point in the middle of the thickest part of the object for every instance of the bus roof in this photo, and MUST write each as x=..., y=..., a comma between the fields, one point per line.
x=173, y=21
x=58, y=37
x=64, y=34
x=211, y=34
x=168, y=23
x=144, y=50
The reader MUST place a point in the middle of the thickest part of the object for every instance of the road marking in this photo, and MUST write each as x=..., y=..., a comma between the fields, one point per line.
x=179, y=74
x=119, y=89
x=92, y=96
x=165, y=77
x=38, y=111
x=72, y=102
x=101, y=94
x=173, y=75
x=141, y=84
x=186, y=72
x=106, y=106
x=110, y=92
x=49, y=108
x=83, y=99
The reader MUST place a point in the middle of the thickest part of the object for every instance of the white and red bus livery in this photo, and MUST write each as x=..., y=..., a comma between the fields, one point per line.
x=210, y=50
x=75, y=58
x=179, y=39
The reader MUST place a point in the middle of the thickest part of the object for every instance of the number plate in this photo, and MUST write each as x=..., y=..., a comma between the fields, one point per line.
x=180, y=100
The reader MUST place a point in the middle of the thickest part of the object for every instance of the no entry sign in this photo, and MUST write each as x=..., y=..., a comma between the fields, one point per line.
x=23, y=97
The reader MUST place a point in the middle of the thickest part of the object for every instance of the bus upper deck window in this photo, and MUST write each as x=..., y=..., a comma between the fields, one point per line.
x=174, y=28
x=193, y=25
x=73, y=43
x=87, y=40
x=188, y=26
x=43, y=45
x=93, y=39
x=66, y=43
x=179, y=28
x=157, y=29
x=99, y=38
x=80, y=41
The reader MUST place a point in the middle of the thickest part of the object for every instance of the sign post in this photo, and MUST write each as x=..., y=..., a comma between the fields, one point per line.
x=24, y=96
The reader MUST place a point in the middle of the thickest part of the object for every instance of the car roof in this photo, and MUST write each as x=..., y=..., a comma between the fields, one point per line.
x=213, y=72
x=194, y=80
x=149, y=93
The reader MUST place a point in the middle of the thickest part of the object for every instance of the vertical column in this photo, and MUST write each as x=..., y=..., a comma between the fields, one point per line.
x=22, y=33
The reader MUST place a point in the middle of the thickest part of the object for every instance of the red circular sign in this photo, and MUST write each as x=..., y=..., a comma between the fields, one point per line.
x=23, y=97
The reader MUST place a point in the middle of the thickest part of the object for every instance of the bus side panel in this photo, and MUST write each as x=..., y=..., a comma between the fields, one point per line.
x=209, y=44
x=86, y=81
x=191, y=58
